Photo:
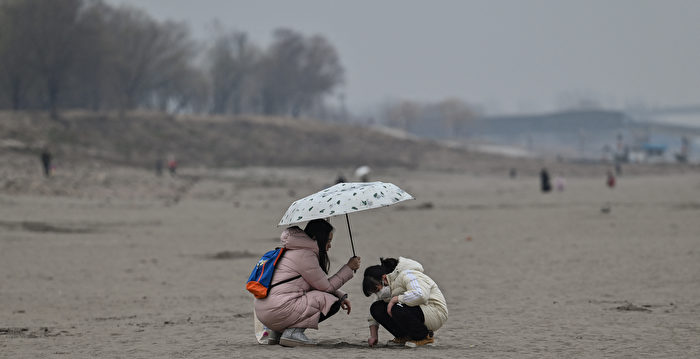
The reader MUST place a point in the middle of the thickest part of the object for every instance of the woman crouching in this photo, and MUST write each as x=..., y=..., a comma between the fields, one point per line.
x=302, y=302
x=409, y=303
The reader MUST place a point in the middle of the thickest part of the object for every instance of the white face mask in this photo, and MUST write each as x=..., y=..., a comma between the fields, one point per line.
x=384, y=293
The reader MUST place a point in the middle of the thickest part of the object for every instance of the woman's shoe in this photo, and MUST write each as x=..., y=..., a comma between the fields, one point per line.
x=294, y=337
x=269, y=337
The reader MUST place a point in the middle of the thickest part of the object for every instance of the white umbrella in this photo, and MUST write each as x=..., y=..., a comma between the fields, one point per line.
x=344, y=198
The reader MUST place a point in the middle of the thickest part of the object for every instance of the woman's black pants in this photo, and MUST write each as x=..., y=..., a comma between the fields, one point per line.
x=334, y=309
x=404, y=322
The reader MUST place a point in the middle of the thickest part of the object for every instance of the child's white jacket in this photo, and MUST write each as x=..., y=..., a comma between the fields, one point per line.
x=415, y=288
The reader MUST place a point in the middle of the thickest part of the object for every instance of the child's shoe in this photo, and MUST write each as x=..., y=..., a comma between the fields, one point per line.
x=397, y=342
x=428, y=340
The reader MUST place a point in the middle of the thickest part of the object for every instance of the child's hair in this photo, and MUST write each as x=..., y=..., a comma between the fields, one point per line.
x=389, y=264
x=373, y=274
x=320, y=231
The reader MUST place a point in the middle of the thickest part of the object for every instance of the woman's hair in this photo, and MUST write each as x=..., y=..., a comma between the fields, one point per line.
x=320, y=231
x=373, y=274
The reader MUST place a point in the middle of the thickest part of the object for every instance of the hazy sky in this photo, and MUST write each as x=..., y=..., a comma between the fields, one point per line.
x=507, y=56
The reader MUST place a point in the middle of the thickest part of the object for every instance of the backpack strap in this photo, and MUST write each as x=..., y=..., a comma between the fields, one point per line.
x=285, y=281
x=284, y=249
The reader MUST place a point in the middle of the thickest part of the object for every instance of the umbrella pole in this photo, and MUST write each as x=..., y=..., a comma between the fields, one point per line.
x=347, y=219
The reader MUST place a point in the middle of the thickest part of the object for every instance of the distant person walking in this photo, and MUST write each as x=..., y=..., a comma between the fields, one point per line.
x=46, y=161
x=172, y=166
x=545, y=185
x=611, y=179
x=159, y=166
x=559, y=183
x=362, y=173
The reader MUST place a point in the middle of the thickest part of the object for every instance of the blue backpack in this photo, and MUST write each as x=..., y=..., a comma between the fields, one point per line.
x=260, y=280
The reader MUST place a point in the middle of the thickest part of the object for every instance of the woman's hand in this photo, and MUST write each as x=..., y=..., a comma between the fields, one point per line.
x=346, y=305
x=393, y=301
x=354, y=263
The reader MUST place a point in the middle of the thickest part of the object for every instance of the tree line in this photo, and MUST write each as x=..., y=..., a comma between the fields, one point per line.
x=85, y=54
x=446, y=119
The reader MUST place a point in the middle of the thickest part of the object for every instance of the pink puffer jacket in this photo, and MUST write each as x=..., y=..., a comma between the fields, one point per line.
x=300, y=302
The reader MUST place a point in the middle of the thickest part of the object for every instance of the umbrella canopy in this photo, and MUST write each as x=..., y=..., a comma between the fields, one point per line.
x=344, y=198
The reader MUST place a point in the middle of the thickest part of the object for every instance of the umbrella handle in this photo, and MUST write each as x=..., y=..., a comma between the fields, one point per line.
x=347, y=219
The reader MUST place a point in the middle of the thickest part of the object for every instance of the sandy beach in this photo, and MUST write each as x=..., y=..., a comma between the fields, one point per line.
x=155, y=267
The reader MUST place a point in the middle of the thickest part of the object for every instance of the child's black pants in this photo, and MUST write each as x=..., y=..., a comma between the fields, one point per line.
x=404, y=322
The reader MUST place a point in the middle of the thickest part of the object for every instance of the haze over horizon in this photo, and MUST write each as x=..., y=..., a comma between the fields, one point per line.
x=505, y=57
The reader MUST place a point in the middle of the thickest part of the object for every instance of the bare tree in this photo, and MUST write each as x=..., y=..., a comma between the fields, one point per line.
x=88, y=54
x=46, y=34
x=320, y=73
x=456, y=117
x=145, y=55
x=449, y=118
x=232, y=67
x=297, y=71
x=186, y=92
x=404, y=115
x=89, y=80
x=15, y=78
